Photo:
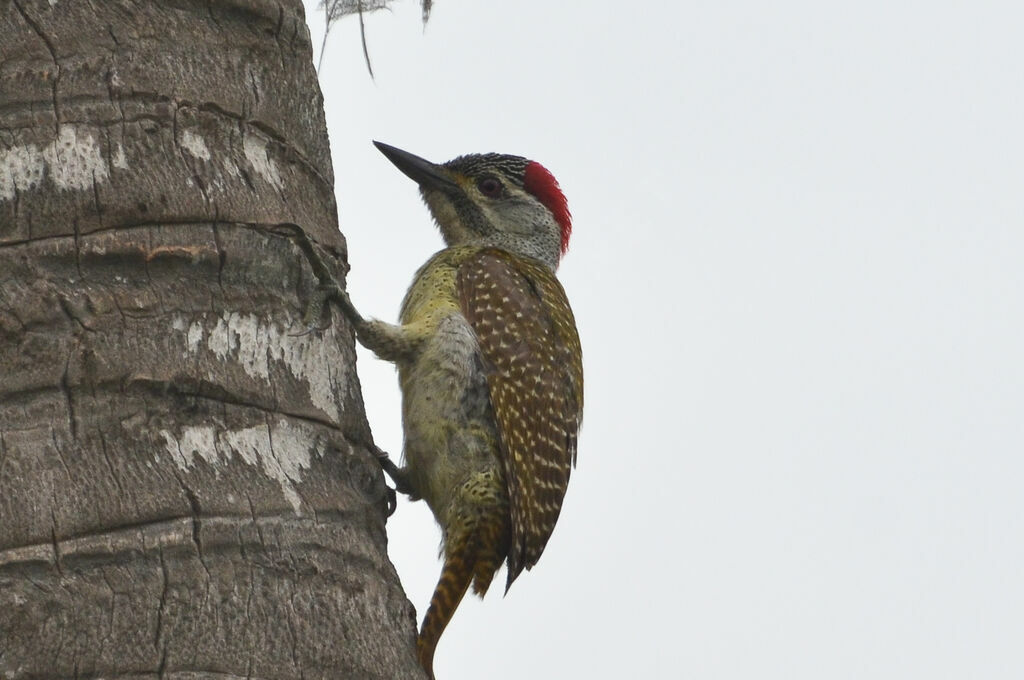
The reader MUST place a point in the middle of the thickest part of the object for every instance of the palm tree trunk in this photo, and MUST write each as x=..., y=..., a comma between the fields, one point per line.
x=185, y=483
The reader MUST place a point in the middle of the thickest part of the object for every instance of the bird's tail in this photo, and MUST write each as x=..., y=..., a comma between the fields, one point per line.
x=474, y=559
x=493, y=540
x=455, y=578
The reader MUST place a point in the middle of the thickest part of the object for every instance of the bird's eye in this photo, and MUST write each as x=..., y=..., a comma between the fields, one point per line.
x=490, y=187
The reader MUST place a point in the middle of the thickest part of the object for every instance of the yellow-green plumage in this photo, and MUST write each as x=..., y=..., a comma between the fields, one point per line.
x=492, y=383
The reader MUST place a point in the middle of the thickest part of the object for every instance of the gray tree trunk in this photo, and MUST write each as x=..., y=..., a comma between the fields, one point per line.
x=185, y=485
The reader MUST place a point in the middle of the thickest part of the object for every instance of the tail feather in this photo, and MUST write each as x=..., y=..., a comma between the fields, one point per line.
x=493, y=541
x=451, y=587
x=471, y=560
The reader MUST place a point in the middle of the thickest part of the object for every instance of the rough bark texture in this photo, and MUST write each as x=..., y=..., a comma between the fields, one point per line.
x=185, y=487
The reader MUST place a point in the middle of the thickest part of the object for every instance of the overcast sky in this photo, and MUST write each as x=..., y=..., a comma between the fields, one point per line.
x=797, y=274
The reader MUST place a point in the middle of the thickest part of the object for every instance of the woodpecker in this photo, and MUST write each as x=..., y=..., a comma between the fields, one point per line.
x=490, y=368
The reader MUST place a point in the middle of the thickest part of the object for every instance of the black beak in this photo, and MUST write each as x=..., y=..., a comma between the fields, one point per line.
x=428, y=175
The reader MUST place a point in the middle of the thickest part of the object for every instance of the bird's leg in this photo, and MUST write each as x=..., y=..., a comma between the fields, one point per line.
x=386, y=340
x=328, y=289
x=398, y=475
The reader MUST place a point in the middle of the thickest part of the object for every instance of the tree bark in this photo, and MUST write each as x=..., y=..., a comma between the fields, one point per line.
x=185, y=483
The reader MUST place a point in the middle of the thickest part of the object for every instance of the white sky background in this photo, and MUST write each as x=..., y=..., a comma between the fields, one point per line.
x=797, y=274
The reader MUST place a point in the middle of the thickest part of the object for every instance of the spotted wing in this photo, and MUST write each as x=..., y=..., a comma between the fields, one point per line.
x=531, y=349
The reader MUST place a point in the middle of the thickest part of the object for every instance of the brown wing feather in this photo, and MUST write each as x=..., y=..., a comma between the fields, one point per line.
x=529, y=342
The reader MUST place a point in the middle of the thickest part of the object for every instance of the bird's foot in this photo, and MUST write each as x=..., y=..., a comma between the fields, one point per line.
x=398, y=475
x=328, y=289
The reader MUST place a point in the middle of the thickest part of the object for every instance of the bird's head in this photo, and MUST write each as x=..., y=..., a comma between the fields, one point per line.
x=494, y=200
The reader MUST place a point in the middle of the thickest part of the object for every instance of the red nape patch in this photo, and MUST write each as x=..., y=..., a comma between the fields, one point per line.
x=542, y=184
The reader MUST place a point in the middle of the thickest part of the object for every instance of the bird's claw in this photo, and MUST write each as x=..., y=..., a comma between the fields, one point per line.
x=390, y=501
x=397, y=474
x=317, y=315
x=327, y=290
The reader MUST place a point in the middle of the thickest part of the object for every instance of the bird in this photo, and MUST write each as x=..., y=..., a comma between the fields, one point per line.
x=490, y=368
